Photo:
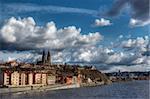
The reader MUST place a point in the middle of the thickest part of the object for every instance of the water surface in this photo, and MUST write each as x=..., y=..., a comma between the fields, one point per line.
x=123, y=90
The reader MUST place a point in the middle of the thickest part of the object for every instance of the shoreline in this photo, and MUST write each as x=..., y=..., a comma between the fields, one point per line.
x=28, y=89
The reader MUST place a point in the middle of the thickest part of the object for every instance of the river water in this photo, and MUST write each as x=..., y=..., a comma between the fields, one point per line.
x=122, y=90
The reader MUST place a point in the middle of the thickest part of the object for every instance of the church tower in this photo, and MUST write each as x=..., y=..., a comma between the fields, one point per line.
x=48, y=58
x=43, y=57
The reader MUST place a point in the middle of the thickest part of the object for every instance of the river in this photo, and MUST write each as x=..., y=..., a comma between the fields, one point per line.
x=121, y=90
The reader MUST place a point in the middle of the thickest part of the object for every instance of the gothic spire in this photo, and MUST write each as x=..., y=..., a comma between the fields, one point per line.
x=43, y=57
x=48, y=57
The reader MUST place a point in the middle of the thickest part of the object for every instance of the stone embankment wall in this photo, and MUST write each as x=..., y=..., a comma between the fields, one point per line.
x=27, y=89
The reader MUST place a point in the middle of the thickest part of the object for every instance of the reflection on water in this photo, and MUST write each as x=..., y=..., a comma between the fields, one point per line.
x=124, y=90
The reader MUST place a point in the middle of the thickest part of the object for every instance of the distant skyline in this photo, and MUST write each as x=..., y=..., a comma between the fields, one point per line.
x=113, y=34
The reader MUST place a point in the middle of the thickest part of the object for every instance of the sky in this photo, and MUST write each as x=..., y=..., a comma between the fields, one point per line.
x=111, y=34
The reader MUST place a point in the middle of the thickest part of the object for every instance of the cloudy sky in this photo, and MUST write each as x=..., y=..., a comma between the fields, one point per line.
x=111, y=34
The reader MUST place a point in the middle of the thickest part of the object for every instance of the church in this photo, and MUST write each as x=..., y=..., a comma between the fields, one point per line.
x=46, y=59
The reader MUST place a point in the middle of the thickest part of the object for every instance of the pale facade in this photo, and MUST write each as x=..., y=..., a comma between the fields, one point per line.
x=30, y=78
x=44, y=79
x=38, y=78
x=15, y=78
x=23, y=78
x=41, y=78
x=51, y=79
x=7, y=79
x=74, y=79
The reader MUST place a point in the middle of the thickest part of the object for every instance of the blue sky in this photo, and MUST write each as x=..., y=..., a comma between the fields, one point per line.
x=123, y=19
x=84, y=21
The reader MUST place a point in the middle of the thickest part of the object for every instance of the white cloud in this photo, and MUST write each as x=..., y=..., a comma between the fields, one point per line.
x=115, y=58
x=11, y=59
x=25, y=34
x=140, y=43
x=147, y=60
x=58, y=57
x=69, y=44
x=120, y=36
x=25, y=56
x=138, y=23
x=19, y=8
x=102, y=22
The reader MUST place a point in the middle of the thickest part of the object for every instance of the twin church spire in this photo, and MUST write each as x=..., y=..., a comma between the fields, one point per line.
x=46, y=59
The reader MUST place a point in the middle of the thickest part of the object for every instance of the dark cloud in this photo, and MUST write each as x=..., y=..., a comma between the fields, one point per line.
x=117, y=7
x=140, y=8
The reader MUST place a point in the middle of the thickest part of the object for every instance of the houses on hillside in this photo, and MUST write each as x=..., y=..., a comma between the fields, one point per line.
x=13, y=74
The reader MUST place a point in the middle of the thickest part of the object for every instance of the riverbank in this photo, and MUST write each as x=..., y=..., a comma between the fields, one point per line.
x=28, y=89
x=38, y=88
x=118, y=90
x=42, y=88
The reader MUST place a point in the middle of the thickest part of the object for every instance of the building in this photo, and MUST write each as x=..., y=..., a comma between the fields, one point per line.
x=22, y=78
x=46, y=59
x=23, y=74
x=26, y=75
x=44, y=73
x=51, y=79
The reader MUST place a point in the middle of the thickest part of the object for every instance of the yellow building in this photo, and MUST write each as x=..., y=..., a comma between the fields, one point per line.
x=22, y=78
x=15, y=78
x=7, y=78
x=51, y=79
x=30, y=81
x=44, y=79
